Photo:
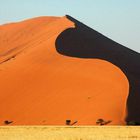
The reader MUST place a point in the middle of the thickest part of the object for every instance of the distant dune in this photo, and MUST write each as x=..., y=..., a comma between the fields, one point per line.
x=54, y=69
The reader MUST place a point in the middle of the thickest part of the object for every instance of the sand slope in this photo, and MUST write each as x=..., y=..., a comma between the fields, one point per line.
x=38, y=85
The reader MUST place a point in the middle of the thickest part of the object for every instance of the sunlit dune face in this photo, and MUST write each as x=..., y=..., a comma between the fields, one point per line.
x=81, y=90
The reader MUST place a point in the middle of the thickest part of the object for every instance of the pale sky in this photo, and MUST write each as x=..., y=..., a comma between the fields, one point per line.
x=116, y=19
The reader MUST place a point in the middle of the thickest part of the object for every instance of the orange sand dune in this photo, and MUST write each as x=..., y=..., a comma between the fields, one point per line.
x=39, y=86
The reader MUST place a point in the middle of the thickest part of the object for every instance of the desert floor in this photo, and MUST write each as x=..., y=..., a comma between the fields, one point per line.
x=69, y=133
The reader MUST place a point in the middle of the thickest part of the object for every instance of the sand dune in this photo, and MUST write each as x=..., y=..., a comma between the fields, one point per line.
x=48, y=74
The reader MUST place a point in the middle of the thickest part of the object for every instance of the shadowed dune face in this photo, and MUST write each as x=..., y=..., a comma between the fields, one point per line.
x=84, y=42
x=41, y=87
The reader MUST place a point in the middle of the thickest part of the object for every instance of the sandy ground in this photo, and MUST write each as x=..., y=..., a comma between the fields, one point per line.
x=69, y=133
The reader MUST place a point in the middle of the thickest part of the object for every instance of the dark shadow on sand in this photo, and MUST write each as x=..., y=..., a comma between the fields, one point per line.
x=84, y=42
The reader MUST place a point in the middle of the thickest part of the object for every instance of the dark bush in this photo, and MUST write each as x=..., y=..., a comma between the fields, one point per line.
x=7, y=122
x=68, y=122
x=133, y=123
x=102, y=122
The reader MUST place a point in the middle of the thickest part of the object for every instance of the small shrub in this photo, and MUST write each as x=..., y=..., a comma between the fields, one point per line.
x=102, y=122
x=68, y=122
x=7, y=122
x=133, y=123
